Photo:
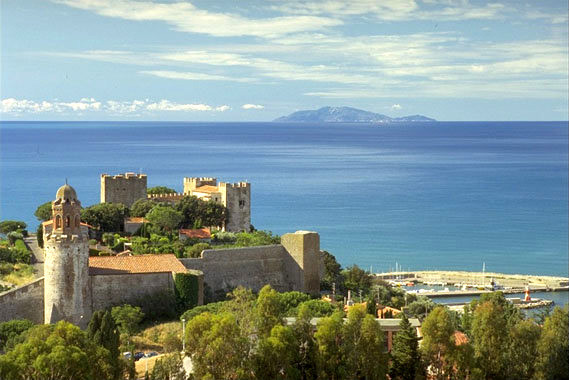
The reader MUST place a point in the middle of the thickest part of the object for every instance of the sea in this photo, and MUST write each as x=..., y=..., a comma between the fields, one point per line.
x=427, y=196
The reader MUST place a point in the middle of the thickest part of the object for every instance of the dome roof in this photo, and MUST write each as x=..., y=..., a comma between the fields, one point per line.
x=66, y=192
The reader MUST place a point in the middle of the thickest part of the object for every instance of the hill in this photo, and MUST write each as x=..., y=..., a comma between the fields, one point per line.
x=346, y=115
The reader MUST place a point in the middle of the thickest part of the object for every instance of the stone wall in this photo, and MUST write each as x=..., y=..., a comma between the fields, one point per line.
x=293, y=265
x=123, y=188
x=251, y=267
x=24, y=302
x=118, y=289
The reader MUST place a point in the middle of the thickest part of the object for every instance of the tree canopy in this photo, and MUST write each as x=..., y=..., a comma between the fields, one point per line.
x=43, y=212
x=7, y=226
x=164, y=217
x=108, y=217
x=160, y=190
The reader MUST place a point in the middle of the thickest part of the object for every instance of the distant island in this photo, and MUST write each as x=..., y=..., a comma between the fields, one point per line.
x=346, y=115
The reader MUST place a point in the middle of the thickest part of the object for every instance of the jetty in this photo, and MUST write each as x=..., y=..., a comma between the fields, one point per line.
x=513, y=283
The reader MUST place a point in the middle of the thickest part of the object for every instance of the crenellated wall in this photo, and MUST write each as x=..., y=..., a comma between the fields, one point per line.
x=123, y=188
x=24, y=302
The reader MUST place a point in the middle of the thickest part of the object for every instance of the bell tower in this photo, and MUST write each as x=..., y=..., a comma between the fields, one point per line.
x=66, y=267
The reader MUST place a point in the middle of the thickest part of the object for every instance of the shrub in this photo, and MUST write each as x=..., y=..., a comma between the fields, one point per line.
x=39, y=235
x=212, y=308
x=8, y=226
x=14, y=236
x=196, y=250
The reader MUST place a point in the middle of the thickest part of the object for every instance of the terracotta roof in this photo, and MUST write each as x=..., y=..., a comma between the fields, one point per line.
x=136, y=219
x=202, y=233
x=99, y=265
x=207, y=189
x=460, y=338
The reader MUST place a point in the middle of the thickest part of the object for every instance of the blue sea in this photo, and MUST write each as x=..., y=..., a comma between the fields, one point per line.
x=444, y=195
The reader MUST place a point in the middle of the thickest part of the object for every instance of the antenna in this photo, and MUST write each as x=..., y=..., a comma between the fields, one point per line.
x=66, y=180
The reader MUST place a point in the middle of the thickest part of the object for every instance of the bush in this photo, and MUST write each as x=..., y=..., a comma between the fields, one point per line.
x=314, y=308
x=291, y=300
x=11, y=330
x=13, y=236
x=186, y=287
x=225, y=237
x=212, y=308
x=39, y=235
x=196, y=250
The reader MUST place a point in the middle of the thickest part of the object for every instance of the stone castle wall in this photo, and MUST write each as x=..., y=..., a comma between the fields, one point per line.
x=123, y=188
x=292, y=265
x=251, y=267
x=24, y=302
x=118, y=289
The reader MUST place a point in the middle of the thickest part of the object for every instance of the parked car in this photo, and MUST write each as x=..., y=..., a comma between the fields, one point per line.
x=138, y=355
x=127, y=355
x=150, y=354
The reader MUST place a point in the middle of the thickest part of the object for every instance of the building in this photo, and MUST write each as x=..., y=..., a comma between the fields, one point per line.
x=132, y=224
x=236, y=197
x=123, y=188
x=75, y=285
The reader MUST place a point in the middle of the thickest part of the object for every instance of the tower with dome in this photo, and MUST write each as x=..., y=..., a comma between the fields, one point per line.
x=66, y=267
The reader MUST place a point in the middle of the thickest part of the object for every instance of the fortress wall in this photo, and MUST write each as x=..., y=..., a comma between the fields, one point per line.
x=123, y=188
x=24, y=302
x=251, y=267
x=118, y=289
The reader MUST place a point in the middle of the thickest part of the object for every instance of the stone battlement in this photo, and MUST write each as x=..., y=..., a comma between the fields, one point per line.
x=128, y=175
x=236, y=185
x=166, y=196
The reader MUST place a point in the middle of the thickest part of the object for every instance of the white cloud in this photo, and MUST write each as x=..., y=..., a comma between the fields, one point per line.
x=252, y=107
x=192, y=76
x=186, y=17
x=23, y=106
x=396, y=107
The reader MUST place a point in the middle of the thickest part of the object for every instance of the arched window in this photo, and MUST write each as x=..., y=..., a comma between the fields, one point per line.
x=58, y=221
x=67, y=221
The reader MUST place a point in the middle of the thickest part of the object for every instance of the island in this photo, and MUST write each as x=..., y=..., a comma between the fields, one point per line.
x=346, y=115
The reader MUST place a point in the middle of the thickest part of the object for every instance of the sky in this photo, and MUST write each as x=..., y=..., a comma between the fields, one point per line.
x=243, y=60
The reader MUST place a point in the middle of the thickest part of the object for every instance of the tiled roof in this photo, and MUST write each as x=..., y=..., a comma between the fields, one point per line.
x=202, y=233
x=136, y=220
x=460, y=338
x=207, y=189
x=99, y=265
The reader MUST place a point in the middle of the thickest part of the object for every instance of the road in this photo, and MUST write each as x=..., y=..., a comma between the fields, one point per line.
x=37, y=254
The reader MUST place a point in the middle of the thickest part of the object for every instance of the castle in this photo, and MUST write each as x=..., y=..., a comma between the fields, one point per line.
x=75, y=285
x=236, y=197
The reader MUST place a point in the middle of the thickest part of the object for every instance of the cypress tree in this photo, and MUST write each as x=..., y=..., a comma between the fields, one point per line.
x=405, y=359
x=103, y=331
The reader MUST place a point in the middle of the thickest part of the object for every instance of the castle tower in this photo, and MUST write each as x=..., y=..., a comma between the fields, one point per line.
x=123, y=188
x=66, y=266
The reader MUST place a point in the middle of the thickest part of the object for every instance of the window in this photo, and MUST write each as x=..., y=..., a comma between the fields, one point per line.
x=67, y=221
x=58, y=221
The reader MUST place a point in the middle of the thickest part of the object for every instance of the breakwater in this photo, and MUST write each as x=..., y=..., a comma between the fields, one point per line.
x=511, y=282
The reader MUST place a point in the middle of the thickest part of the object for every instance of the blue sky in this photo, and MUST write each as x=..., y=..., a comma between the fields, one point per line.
x=256, y=60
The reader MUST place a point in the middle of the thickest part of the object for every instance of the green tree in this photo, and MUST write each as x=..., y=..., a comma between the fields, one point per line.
x=7, y=226
x=332, y=271
x=141, y=207
x=438, y=342
x=212, y=213
x=355, y=279
x=127, y=318
x=60, y=351
x=291, y=300
x=103, y=331
x=553, y=346
x=43, y=212
x=168, y=367
x=189, y=207
x=160, y=190
x=108, y=217
x=307, y=357
x=39, y=235
x=164, y=217
x=363, y=345
x=490, y=339
x=11, y=330
x=276, y=355
x=331, y=363
x=268, y=310
x=522, y=350
x=217, y=347
x=405, y=358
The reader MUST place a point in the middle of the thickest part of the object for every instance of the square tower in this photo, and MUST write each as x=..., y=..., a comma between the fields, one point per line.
x=123, y=188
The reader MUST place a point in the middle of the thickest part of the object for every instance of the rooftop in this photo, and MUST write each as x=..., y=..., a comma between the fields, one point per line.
x=105, y=265
x=207, y=189
x=136, y=219
x=201, y=233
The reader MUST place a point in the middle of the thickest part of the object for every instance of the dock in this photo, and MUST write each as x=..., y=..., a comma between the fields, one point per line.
x=477, y=292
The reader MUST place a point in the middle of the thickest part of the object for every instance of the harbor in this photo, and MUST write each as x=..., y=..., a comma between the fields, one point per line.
x=457, y=288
